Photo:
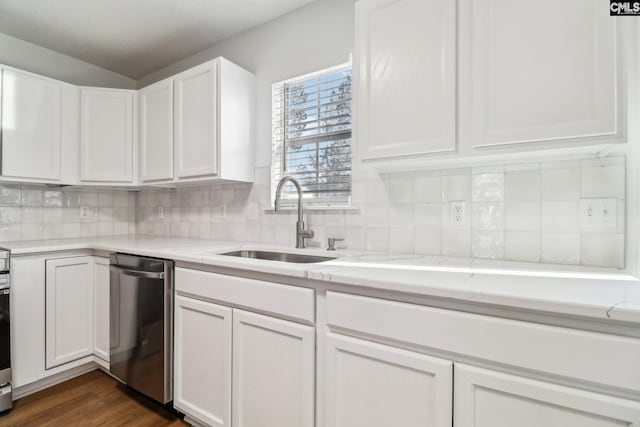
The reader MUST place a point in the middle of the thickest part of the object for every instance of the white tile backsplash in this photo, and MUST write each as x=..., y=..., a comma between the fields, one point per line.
x=522, y=216
x=603, y=182
x=487, y=187
x=561, y=184
x=487, y=244
x=561, y=248
x=38, y=212
x=522, y=246
x=524, y=212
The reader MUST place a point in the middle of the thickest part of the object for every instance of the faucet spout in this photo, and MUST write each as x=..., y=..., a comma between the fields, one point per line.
x=301, y=233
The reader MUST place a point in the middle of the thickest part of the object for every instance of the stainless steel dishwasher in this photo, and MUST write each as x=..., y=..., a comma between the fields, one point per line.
x=141, y=324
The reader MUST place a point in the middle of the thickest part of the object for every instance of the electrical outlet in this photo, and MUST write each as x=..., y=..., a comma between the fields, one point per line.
x=84, y=212
x=161, y=212
x=458, y=214
x=598, y=213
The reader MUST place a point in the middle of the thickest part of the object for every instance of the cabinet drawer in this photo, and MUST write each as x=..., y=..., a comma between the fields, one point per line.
x=589, y=356
x=281, y=300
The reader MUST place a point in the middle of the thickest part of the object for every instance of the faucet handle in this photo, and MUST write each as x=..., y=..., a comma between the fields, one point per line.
x=332, y=242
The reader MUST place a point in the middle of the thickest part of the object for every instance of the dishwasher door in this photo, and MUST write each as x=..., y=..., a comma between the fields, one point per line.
x=141, y=329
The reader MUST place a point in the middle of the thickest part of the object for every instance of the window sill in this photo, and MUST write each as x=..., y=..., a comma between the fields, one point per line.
x=315, y=208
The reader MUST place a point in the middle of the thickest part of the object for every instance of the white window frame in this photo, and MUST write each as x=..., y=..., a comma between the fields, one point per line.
x=278, y=152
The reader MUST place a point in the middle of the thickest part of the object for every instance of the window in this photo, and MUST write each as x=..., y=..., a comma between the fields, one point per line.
x=312, y=136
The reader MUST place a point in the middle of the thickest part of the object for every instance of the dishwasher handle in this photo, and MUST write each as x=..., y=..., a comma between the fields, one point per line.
x=136, y=273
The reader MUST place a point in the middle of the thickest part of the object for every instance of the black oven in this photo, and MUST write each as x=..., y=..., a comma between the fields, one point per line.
x=5, y=332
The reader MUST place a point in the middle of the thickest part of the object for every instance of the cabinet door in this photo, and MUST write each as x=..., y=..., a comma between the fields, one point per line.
x=156, y=131
x=485, y=398
x=406, y=71
x=273, y=372
x=541, y=76
x=202, y=369
x=106, y=135
x=196, y=127
x=69, y=310
x=371, y=384
x=101, y=304
x=31, y=126
x=27, y=319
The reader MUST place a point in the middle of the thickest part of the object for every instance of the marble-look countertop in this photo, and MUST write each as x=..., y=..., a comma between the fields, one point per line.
x=602, y=294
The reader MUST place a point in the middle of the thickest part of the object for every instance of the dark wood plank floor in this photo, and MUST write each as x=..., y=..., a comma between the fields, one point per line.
x=93, y=399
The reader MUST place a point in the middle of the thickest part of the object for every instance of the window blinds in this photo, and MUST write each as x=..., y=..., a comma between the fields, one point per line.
x=312, y=136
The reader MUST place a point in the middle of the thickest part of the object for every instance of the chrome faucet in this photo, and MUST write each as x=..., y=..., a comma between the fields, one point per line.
x=301, y=233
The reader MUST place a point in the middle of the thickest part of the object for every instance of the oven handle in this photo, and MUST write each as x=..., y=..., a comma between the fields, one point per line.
x=136, y=273
x=4, y=282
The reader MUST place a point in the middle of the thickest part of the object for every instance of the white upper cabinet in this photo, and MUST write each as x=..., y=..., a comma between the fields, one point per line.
x=485, y=398
x=543, y=71
x=156, y=131
x=31, y=126
x=406, y=74
x=196, y=121
x=197, y=125
x=107, y=135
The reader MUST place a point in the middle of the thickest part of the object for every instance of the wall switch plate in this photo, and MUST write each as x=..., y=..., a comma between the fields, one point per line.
x=84, y=212
x=458, y=214
x=598, y=213
x=160, y=212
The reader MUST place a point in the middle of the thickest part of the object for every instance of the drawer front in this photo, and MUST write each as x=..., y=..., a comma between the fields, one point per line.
x=589, y=356
x=281, y=300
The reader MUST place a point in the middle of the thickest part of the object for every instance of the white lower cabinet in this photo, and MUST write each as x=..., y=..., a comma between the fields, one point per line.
x=369, y=384
x=202, y=365
x=269, y=363
x=273, y=372
x=69, y=309
x=101, y=337
x=53, y=316
x=485, y=398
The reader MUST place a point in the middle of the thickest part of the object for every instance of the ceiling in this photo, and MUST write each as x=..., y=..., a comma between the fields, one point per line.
x=134, y=37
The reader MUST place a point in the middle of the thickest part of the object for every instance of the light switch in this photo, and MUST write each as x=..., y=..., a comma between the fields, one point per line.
x=598, y=213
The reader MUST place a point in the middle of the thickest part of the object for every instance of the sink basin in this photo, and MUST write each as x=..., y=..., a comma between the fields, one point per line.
x=280, y=256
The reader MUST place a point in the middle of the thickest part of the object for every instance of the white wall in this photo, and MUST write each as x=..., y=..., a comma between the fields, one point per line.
x=311, y=38
x=30, y=57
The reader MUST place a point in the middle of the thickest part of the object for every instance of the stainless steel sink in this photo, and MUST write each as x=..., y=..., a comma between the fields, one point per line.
x=279, y=256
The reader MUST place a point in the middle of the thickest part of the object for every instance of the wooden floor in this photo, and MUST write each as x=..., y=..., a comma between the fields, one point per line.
x=93, y=399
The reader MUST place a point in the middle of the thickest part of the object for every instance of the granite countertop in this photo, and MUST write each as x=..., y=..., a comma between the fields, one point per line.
x=602, y=294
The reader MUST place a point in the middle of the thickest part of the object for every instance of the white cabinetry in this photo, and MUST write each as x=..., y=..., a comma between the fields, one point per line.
x=268, y=362
x=485, y=398
x=273, y=372
x=406, y=73
x=556, y=84
x=156, y=131
x=107, y=135
x=213, y=122
x=101, y=308
x=202, y=369
x=196, y=125
x=27, y=320
x=372, y=384
x=31, y=126
x=445, y=77
x=69, y=309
